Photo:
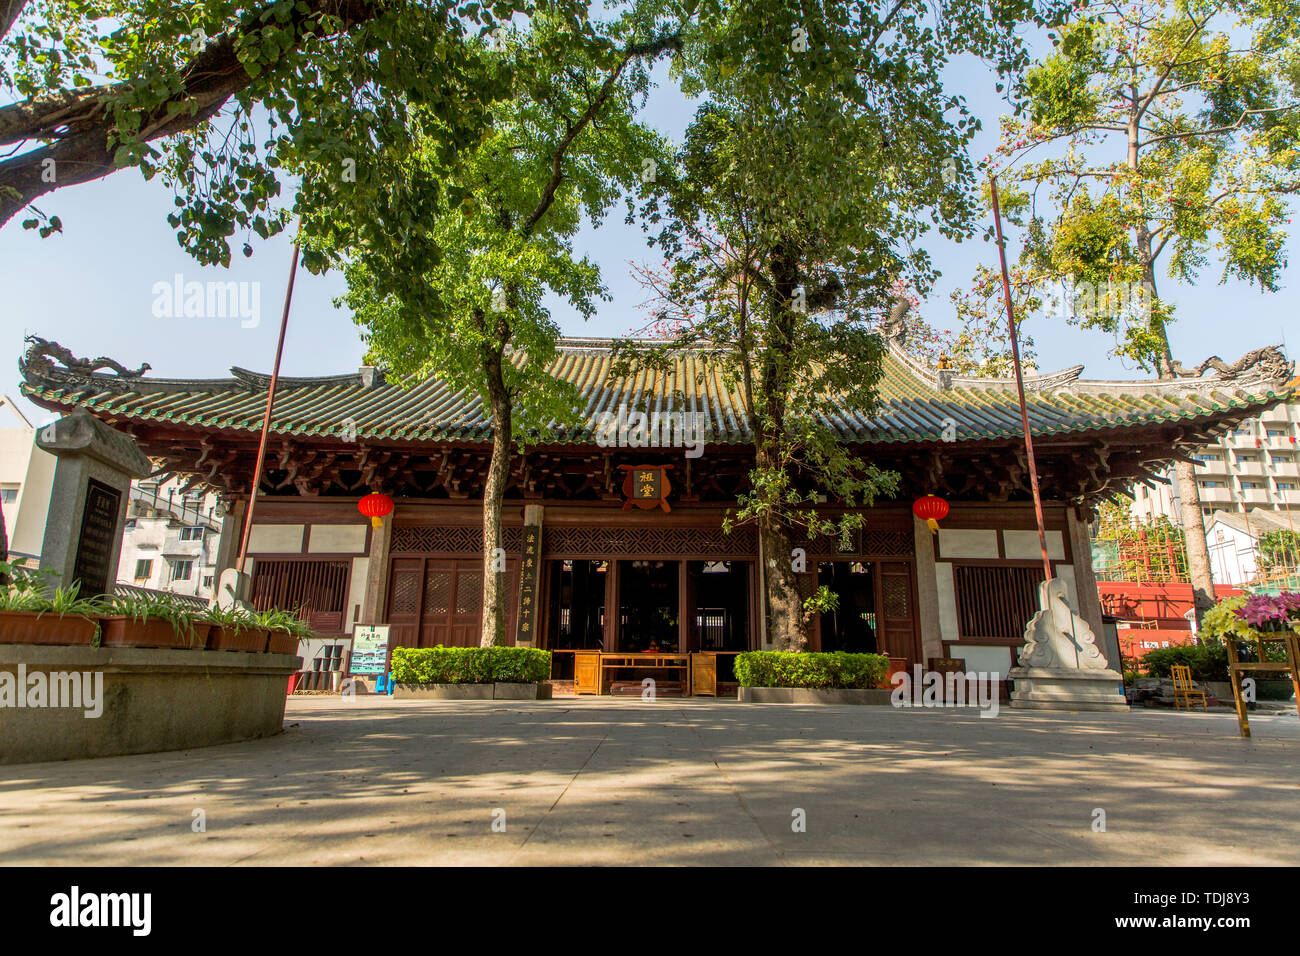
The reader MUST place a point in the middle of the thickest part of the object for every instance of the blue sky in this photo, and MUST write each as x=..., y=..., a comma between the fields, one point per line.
x=92, y=287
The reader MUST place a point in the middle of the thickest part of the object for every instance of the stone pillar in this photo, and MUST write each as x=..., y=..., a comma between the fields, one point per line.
x=927, y=592
x=232, y=511
x=1085, y=581
x=381, y=540
x=88, y=500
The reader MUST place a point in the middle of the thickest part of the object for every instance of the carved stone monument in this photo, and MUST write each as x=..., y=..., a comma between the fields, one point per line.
x=83, y=532
x=1061, y=667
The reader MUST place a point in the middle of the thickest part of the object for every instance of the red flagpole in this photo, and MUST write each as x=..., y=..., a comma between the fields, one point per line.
x=266, y=420
x=1020, y=381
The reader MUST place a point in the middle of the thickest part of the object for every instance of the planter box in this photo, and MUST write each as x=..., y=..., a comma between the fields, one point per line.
x=147, y=700
x=816, y=695
x=230, y=639
x=28, y=627
x=473, y=691
x=521, y=691
x=281, y=642
x=125, y=632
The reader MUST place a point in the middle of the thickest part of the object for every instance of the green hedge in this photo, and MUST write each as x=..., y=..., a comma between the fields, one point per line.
x=805, y=669
x=470, y=665
x=1207, y=661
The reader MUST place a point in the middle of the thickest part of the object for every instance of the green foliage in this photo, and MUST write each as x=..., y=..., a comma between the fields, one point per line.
x=470, y=665
x=1279, y=549
x=316, y=85
x=804, y=669
x=182, y=615
x=1207, y=661
x=1221, y=622
x=1155, y=131
x=231, y=618
x=277, y=620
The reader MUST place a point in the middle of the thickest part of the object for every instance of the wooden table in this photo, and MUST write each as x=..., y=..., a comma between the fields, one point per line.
x=1290, y=641
x=670, y=662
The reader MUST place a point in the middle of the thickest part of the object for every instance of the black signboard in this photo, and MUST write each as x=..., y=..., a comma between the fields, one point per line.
x=530, y=569
x=97, y=539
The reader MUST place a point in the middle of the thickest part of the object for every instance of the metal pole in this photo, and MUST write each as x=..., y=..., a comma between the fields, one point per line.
x=1020, y=381
x=266, y=421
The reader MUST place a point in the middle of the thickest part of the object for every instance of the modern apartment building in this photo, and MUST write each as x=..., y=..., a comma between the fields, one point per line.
x=170, y=540
x=1254, y=466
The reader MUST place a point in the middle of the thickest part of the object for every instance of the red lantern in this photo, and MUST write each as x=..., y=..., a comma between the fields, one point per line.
x=931, y=509
x=375, y=506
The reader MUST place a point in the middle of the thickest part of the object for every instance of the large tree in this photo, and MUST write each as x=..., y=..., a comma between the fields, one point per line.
x=220, y=97
x=827, y=147
x=1157, y=136
x=451, y=263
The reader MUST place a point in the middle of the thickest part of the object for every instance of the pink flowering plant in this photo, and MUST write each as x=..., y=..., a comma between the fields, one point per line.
x=1271, y=613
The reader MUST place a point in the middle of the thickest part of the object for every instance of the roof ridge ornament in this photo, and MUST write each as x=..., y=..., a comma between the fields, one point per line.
x=1267, y=364
x=38, y=362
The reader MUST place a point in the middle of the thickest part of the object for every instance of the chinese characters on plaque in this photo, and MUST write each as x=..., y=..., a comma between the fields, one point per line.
x=646, y=486
x=530, y=568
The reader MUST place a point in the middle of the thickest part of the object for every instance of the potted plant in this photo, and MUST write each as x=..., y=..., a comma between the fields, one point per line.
x=152, y=620
x=285, y=631
x=233, y=629
x=30, y=616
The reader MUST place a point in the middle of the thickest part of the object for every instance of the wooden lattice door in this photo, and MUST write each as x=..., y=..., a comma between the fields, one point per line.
x=440, y=601
x=897, y=615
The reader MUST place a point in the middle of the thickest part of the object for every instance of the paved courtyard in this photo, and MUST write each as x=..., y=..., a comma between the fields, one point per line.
x=625, y=781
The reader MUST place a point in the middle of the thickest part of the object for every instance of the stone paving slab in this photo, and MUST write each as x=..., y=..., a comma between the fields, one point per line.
x=696, y=781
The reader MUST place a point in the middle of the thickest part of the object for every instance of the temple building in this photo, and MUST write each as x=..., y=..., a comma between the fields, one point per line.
x=615, y=576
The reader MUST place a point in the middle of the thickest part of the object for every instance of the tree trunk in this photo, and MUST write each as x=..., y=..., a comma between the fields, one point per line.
x=1189, y=492
x=494, y=555
x=785, y=623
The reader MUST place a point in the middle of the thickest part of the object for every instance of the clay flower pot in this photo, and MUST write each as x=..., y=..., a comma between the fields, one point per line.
x=281, y=642
x=121, y=631
x=230, y=639
x=29, y=627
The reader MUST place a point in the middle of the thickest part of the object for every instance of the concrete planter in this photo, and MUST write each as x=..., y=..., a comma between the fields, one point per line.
x=28, y=627
x=102, y=701
x=473, y=691
x=815, y=695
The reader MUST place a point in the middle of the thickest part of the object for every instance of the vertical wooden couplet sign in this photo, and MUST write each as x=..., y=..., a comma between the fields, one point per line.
x=530, y=577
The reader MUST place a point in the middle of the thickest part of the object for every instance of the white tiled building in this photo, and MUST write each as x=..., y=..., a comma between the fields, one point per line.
x=26, y=476
x=1256, y=465
x=170, y=540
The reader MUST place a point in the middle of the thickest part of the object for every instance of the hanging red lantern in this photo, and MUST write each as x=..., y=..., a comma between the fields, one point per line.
x=375, y=506
x=931, y=509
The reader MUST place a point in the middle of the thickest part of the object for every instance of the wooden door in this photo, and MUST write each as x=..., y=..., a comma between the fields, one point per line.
x=440, y=601
x=897, y=614
x=586, y=672
x=704, y=674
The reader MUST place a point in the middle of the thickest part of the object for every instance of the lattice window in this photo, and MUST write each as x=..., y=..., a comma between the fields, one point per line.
x=672, y=542
x=437, y=593
x=406, y=592
x=863, y=542
x=469, y=592
x=895, y=596
x=995, y=601
x=449, y=540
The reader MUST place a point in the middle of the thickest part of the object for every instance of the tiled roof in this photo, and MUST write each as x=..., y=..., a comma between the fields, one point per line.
x=914, y=404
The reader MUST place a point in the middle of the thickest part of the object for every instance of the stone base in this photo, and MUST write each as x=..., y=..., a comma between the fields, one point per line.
x=1051, y=688
x=815, y=695
x=473, y=692
x=152, y=700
